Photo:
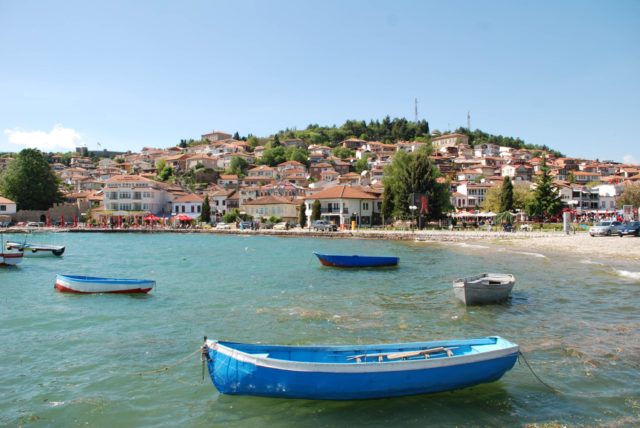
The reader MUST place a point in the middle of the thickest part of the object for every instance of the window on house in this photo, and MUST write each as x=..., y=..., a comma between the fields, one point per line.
x=199, y=208
x=183, y=209
x=193, y=209
x=3, y=207
x=365, y=205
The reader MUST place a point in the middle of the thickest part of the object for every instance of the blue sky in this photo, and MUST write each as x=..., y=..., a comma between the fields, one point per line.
x=149, y=73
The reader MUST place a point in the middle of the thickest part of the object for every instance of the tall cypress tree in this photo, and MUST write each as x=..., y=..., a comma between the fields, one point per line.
x=546, y=198
x=506, y=195
x=315, y=210
x=302, y=218
x=205, y=215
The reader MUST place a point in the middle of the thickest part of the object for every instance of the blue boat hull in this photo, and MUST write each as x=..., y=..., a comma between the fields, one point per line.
x=334, y=260
x=232, y=375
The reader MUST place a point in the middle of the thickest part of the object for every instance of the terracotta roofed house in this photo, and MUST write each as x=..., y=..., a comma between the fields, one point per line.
x=340, y=204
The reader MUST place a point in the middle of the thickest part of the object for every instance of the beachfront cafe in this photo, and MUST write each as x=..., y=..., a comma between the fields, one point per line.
x=118, y=219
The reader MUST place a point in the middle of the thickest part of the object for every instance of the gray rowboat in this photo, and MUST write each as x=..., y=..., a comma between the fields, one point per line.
x=484, y=288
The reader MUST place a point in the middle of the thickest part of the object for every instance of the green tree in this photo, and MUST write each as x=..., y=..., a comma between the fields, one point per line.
x=238, y=165
x=362, y=164
x=236, y=136
x=302, y=217
x=342, y=152
x=521, y=196
x=253, y=141
x=630, y=195
x=315, y=210
x=297, y=154
x=30, y=182
x=273, y=156
x=415, y=174
x=506, y=195
x=205, y=215
x=165, y=173
x=231, y=216
x=387, y=204
x=276, y=142
x=546, y=200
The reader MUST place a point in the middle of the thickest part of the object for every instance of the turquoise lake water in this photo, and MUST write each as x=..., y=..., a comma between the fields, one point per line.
x=80, y=360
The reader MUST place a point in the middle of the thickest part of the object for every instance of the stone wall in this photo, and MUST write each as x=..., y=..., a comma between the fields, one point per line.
x=55, y=212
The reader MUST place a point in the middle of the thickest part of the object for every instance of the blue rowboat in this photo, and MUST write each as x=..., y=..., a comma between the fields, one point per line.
x=356, y=371
x=356, y=261
x=91, y=284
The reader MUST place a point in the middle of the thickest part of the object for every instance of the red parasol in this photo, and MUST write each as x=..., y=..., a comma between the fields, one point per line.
x=151, y=217
x=183, y=217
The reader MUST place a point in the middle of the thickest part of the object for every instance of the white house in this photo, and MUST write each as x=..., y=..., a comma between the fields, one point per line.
x=340, y=204
x=7, y=206
x=135, y=193
x=189, y=205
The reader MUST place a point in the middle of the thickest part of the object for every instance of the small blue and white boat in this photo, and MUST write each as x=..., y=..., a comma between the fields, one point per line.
x=91, y=284
x=356, y=371
x=336, y=260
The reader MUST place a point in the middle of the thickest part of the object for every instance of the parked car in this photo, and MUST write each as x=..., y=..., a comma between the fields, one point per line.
x=605, y=228
x=283, y=225
x=223, y=226
x=35, y=224
x=324, y=226
x=630, y=228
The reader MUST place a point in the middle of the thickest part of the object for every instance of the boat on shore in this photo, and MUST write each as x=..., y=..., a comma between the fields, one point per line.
x=36, y=249
x=89, y=285
x=354, y=372
x=484, y=288
x=335, y=260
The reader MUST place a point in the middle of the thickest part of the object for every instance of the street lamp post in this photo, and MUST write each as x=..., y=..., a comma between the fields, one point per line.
x=413, y=209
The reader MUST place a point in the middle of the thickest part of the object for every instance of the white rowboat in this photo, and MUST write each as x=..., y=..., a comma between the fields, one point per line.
x=90, y=284
x=484, y=288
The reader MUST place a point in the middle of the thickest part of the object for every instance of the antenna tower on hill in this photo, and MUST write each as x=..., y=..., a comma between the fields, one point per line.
x=415, y=109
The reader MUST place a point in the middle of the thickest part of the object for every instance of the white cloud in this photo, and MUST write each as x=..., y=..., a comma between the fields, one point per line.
x=629, y=159
x=58, y=139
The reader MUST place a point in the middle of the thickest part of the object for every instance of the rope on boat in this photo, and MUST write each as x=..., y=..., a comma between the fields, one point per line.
x=520, y=354
x=170, y=366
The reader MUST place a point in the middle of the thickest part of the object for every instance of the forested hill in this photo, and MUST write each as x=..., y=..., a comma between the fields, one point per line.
x=393, y=130
x=388, y=130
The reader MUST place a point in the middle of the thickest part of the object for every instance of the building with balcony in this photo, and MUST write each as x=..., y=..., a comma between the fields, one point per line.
x=135, y=193
x=341, y=204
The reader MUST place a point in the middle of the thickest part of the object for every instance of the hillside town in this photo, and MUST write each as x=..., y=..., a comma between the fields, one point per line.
x=103, y=188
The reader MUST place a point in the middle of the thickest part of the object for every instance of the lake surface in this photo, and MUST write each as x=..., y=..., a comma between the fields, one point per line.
x=75, y=360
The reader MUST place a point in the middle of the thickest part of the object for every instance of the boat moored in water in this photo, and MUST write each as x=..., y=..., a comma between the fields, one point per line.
x=36, y=249
x=335, y=260
x=356, y=371
x=484, y=288
x=10, y=259
x=89, y=284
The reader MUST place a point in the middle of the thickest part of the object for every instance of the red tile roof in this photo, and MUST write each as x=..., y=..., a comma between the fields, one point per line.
x=342, y=192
